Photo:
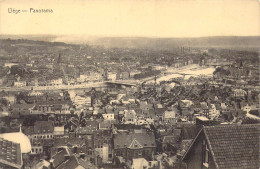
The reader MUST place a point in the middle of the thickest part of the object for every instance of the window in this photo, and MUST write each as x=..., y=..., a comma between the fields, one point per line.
x=205, y=154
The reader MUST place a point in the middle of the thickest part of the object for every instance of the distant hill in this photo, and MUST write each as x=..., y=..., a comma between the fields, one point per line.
x=48, y=38
x=234, y=42
x=167, y=43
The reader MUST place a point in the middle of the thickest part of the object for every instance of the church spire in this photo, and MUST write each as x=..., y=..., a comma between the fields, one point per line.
x=59, y=58
x=20, y=128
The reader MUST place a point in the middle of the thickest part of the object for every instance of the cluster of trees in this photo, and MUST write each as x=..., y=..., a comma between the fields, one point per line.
x=147, y=74
x=222, y=71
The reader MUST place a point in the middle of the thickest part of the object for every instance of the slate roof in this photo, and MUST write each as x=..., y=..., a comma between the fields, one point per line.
x=234, y=146
x=43, y=127
x=69, y=141
x=134, y=139
x=75, y=162
x=160, y=111
x=23, y=106
x=59, y=158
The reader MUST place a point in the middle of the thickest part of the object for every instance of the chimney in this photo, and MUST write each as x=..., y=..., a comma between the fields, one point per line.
x=82, y=155
x=67, y=157
x=51, y=164
x=75, y=149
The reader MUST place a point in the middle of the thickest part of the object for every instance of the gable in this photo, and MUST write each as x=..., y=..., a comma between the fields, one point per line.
x=135, y=145
x=231, y=146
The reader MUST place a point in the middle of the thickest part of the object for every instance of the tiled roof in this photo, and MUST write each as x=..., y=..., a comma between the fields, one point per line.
x=234, y=146
x=160, y=111
x=10, y=153
x=69, y=141
x=23, y=106
x=59, y=158
x=128, y=139
x=43, y=127
x=75, y=162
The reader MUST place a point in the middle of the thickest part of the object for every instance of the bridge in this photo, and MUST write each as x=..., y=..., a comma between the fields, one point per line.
x=124, y=83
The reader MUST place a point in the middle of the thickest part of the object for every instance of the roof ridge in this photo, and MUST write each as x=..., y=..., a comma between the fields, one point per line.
x=231, y=125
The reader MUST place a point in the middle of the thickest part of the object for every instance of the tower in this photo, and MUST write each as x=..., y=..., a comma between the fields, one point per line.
x=59, y=61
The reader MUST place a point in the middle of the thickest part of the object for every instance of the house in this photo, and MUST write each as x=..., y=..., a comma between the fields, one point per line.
x=74, y=162
x=140, y=163
x=170, y=116
x=19, y=83
x=10, y=155
x=65, y=159
x=108, y=116
x=160, y=113
x=170, y=142
x=42, y=164
x=7, y=96
x=129, y=117
x=186, y=107
x=111, y=76
x=22, y=109
x=41, y=130
x=58, y=131
x=213, y=112
x=225, y=146
x=103, y=144
x=53, y=82
x=41, y=146
x=239, y=93
x=81, y=101
x=134, y=144
x=55, y=106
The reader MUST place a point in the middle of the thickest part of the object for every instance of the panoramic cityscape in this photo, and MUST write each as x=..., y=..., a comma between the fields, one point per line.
x=110, y=84
x=68, y=106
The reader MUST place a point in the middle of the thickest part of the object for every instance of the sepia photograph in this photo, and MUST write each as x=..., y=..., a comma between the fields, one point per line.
x=129, y=84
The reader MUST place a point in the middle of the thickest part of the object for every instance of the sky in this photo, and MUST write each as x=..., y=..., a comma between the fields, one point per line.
x=145, y=18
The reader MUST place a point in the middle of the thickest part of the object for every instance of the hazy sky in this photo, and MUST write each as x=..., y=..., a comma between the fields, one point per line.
x=157, y=18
